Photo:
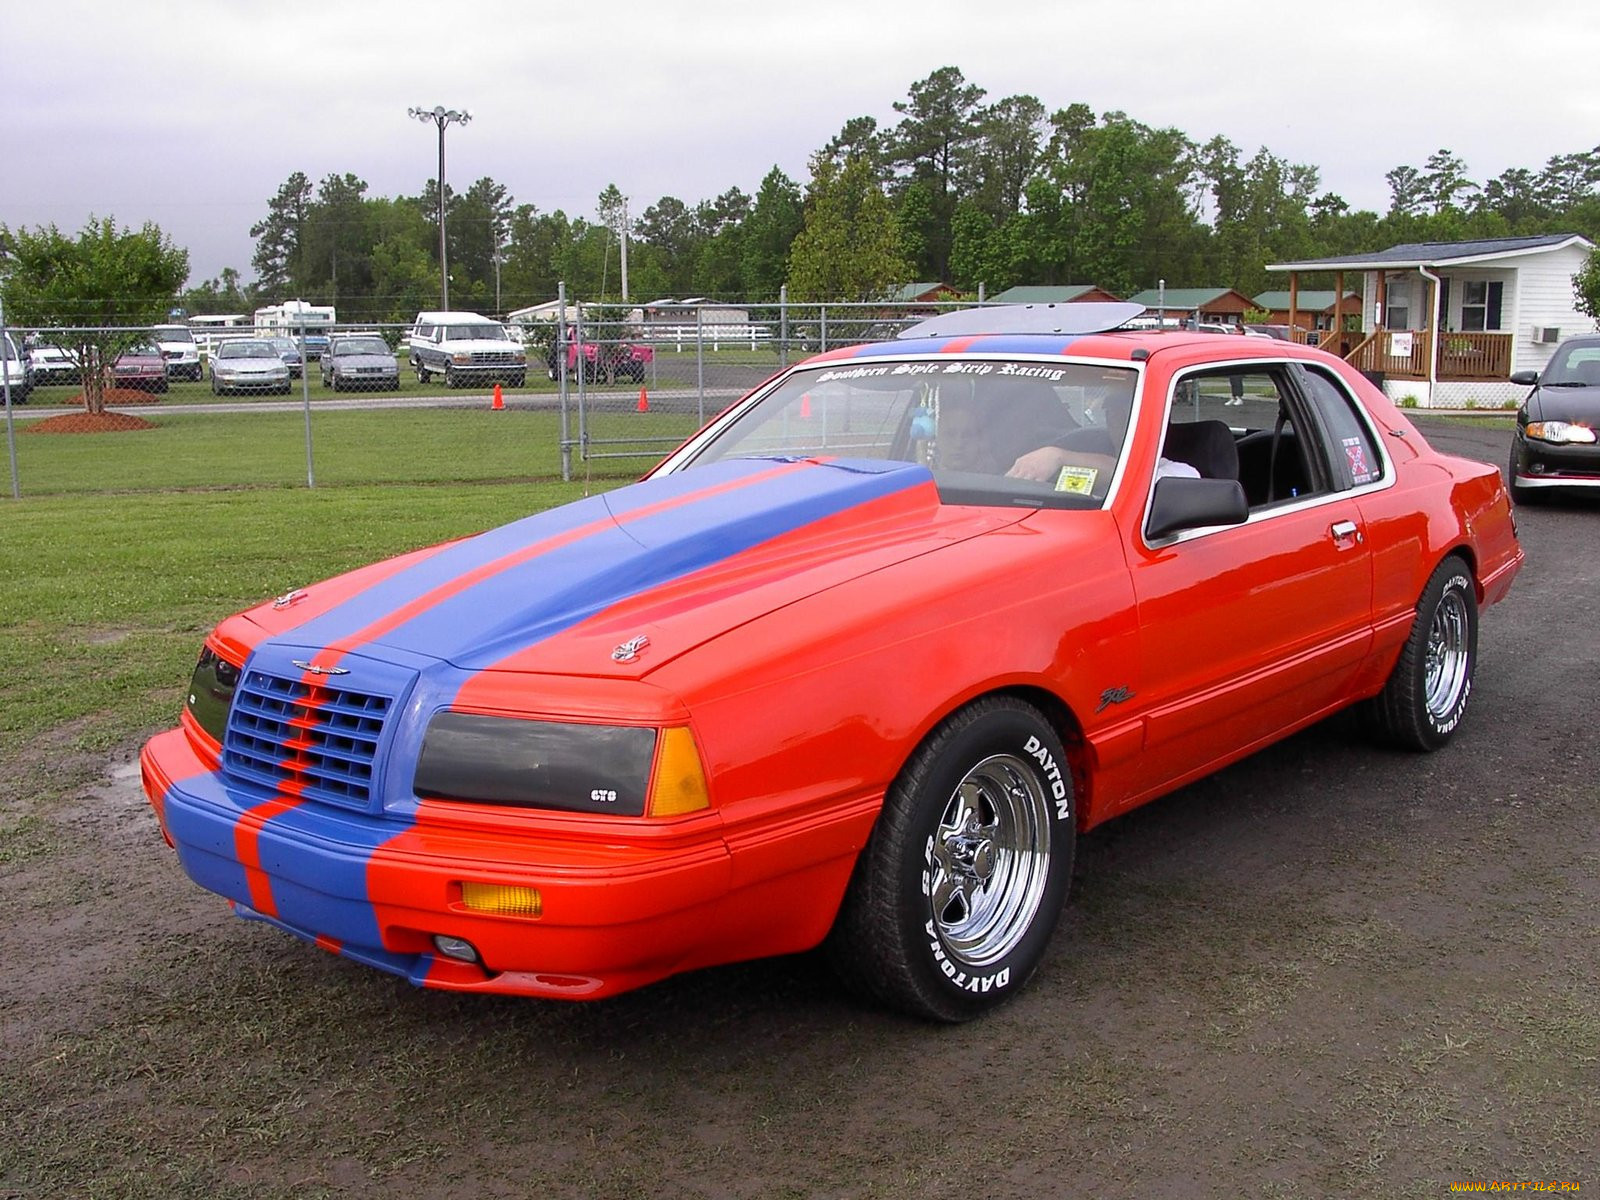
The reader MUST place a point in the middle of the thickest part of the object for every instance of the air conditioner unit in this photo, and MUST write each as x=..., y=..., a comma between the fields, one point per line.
x=1546, y=335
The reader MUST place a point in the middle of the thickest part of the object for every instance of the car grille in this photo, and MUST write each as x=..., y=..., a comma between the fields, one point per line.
x=492, y=358
x=314, y=741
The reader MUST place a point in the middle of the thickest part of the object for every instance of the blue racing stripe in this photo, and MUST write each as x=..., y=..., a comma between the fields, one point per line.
x=517, y=608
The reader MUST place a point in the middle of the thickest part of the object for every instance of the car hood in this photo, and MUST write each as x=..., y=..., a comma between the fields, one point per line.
x=365, y=360
x=1577, y=404
x=249, y=364
x=674, y=560
x=479, y=344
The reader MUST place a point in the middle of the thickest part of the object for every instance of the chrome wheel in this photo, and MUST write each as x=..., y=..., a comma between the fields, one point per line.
x=1449, y=655
x=989, y=860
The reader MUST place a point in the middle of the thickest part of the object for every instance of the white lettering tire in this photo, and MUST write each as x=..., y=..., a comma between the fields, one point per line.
x=958, y=891
x=1427, y=692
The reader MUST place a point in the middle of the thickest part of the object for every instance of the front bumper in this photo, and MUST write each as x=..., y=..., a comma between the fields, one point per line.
x=617, y=911
x=253, y=383
x=1549, y=464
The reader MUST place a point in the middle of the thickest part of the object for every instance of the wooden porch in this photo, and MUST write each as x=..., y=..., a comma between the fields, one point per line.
x=1465, y=357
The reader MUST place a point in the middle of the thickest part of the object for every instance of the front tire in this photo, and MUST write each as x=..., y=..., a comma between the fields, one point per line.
x=956, y=895
x=1427, y=692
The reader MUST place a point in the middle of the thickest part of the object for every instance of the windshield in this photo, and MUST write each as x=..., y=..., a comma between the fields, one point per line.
x=246, y=350
x=173, y=333
x=991, y=431
x=1574, y=363
x=482, y=333
x=360, y=346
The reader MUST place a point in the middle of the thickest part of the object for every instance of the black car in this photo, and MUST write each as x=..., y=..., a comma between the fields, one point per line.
x=1555, y=445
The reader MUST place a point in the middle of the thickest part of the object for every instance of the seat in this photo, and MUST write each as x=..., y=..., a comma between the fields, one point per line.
x=1587, y=372
x=1207, y=446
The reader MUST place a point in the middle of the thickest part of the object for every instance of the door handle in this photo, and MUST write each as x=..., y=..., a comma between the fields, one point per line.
x=1345, y=534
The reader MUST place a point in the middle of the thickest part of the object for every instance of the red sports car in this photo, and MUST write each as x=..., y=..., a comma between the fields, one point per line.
x=853, y=666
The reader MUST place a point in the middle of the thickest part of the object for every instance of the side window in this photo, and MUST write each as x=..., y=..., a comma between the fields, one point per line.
x=1353, y=456
x=1237, y=423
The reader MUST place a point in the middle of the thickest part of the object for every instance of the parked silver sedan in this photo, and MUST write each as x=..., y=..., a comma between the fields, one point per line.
x=248, y=365
x=365, y=363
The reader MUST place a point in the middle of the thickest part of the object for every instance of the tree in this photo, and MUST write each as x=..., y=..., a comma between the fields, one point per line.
x=933, y=145
x=1586, y=286
x=858, y=139
x=98, y=289
x=849, y=248
x=1007, y=150
x=335, y=246
x=1444, y=179
x=775, y=219
x=280, y=237
x=220, y=295
x=1408, y=191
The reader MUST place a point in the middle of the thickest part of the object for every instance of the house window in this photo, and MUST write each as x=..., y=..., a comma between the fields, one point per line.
x=1397, y=313
x=1480, y=305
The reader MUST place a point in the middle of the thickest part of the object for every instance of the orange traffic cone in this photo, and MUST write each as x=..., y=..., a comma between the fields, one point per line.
x=499, y=401
x=805, y=406
x=644, y=400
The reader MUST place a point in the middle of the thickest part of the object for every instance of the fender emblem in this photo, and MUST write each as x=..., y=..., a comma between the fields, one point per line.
x=288, y=598
x=1113, y=695
x=629, y=650
x=316, y=670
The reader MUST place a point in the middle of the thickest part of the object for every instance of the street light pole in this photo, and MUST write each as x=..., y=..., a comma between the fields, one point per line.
x=441, y=117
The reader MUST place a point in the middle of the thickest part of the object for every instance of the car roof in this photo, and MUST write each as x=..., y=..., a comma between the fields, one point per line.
x=1097, y=330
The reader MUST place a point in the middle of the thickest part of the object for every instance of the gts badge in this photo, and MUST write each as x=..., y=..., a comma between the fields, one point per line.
x=1113, y=695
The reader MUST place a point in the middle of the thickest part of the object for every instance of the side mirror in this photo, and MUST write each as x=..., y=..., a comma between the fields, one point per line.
x=1180, y=504
x=1525, y=378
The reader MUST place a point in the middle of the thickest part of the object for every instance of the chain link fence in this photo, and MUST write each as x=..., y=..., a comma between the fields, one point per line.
x=569, y=389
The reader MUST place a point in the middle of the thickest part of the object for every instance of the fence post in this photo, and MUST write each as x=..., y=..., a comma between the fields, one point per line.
x=822, y=330
x=783, y=325
x=5, y=382
x=305, y=393
x=583, y=375
x=700, y=360
x=561, y=380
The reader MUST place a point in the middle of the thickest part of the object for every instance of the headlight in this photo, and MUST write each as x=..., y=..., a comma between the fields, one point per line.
x=614, y=769
x=1559, y=431
x=211, y=692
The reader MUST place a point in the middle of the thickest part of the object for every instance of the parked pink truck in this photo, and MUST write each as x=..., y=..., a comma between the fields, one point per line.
x=602, y=361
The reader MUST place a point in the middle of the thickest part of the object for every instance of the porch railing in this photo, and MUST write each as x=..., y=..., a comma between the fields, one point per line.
x=1403, y=354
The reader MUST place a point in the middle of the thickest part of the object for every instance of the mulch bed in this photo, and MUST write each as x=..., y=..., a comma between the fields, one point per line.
x=106, y=422
x=87, y=422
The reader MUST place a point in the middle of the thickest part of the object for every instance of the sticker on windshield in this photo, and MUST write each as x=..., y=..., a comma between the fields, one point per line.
x=1079, y=480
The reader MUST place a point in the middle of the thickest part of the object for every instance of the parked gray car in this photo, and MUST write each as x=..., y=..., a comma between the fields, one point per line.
x=364, y=363
x=289, y=350
x=247, y=365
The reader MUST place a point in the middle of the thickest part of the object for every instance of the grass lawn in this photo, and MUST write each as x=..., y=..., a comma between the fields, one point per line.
x=268, y=449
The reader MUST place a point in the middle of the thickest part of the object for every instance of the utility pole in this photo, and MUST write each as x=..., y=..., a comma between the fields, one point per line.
x=441, y=117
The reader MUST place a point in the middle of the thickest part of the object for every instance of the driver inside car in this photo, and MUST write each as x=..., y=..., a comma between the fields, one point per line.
x=1022, y=430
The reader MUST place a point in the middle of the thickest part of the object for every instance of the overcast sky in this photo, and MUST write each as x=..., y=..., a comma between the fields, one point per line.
x=191, y=114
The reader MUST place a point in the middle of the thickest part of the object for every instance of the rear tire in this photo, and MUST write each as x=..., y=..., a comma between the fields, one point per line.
x=1427, y=692
x=955, y=897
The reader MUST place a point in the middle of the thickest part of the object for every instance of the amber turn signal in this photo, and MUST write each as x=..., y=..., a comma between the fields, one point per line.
x=678, y=783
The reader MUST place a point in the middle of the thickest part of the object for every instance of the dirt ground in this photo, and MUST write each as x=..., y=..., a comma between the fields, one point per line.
x=1327, y=971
